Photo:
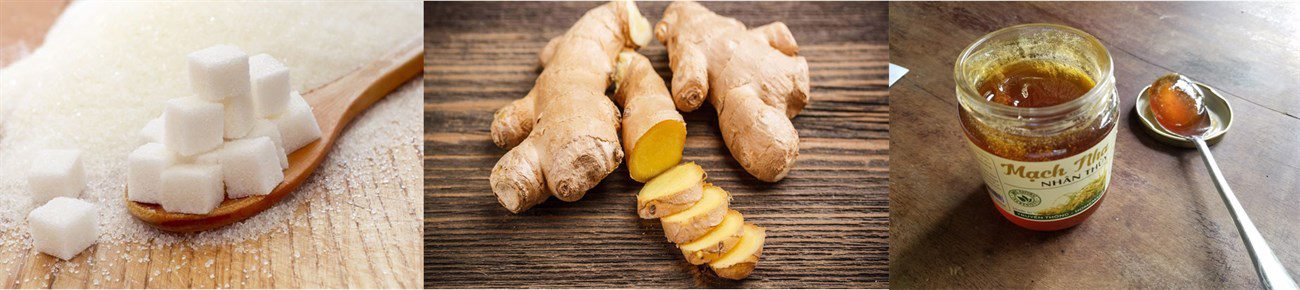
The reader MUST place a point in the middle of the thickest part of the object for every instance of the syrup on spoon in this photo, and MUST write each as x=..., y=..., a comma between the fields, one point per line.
x=1179, y=107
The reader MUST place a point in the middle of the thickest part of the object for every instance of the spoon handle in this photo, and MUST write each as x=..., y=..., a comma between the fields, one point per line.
x=1271, y=272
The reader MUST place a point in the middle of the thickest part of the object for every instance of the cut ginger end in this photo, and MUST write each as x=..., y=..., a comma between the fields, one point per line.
x=741, y=260
x=658, y=150
x=673, y=181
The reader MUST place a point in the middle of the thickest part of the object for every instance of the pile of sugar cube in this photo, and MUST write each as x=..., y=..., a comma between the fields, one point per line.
x=64, y=225
x=230, y=139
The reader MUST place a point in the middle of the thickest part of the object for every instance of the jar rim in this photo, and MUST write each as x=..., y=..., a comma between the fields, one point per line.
x=1102, y=88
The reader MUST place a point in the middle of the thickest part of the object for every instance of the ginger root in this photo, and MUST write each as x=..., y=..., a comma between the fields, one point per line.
x=563, y=135
x=754, y=78
x=654, y=133
x=708, y=231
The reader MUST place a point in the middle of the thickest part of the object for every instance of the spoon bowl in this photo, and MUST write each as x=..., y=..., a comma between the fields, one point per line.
x=334, y=105
x=1218, y=109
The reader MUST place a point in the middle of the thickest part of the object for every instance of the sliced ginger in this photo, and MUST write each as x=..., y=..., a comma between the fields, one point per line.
x=654, y=133
x=717, y=241
x=741, y=259
x=671, y=192
x=697, y=220
x=697, y=217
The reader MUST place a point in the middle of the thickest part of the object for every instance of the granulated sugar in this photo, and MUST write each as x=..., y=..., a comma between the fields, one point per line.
x=107, y=68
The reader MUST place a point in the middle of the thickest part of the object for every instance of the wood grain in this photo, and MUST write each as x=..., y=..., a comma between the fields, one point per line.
x=1162, y=223
x=827, y=221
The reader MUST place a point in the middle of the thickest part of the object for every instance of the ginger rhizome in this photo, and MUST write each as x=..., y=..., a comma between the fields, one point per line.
x=563, y=135
x=754, y=78
x=654, y=133
x=706, y=230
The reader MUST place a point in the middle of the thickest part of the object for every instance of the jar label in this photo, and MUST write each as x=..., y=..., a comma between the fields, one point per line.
x=1048, y=190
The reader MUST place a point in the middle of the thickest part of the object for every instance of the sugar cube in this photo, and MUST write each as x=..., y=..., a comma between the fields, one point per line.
x=264, y=128
x=191, y=188
x=192, y=126
x=63, y=227
x=248, y=166
x=270, y=80
x=144, y=172
x=152, y=131
x=239, y=116
x=297, y=124
x=219, y=72
x=54, y=173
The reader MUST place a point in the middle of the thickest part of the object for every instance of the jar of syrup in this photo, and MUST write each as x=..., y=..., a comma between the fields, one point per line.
x=1038, y=106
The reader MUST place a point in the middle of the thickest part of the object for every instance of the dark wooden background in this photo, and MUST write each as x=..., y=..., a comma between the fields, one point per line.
x=1162, y=224
x=827, y=221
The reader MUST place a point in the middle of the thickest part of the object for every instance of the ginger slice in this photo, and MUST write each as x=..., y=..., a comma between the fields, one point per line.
x=671, y=192
x=697, y=220
x=717, y=242
x=741, y=260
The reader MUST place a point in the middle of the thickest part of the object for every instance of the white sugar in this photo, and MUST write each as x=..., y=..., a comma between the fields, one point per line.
x=108, y=67
x=239, y=116
x=192, y=126
x=264, y=128
x=144, y=171
x=270, y=80
x=191, y=188
x=249, y=167
x=297, y=125
x=55, y=172
x=152, y=131
x=63, y=227
x=219, y=72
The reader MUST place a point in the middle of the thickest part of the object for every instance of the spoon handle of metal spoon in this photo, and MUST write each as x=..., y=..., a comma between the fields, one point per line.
x=1271, y=272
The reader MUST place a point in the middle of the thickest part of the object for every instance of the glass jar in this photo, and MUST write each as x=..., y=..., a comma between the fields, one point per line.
x=1045, y=167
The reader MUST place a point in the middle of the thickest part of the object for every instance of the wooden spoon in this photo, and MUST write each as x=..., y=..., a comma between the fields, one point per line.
x=334, y=105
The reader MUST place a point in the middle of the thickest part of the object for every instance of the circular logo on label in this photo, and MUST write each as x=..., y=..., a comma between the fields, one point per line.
x=1025, y=198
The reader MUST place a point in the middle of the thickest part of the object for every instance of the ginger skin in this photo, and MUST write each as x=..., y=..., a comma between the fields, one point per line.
x=754, y=78
x=563, y=135
x=654, y=133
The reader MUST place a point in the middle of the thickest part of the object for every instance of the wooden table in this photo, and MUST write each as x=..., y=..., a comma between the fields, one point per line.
x=826, y=221
x=355, y=228
x=1162, y=224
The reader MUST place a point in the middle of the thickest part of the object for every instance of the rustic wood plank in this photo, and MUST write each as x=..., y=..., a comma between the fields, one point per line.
x=1162, y=224
x=827, y=221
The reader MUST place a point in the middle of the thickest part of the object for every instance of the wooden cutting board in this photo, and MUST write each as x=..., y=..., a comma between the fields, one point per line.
x=328, y=251
x=1162, y=224
x=827, y=221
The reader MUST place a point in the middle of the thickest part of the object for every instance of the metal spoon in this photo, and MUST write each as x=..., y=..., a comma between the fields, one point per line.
x=1271, y=272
